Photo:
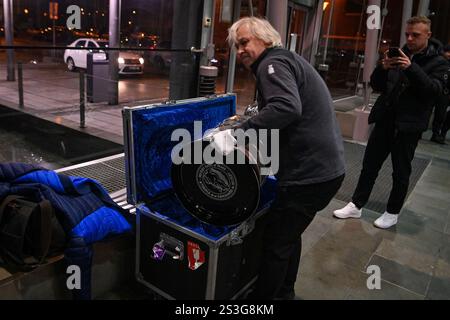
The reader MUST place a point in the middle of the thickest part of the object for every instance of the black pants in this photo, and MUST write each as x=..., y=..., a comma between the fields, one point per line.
x=382, y=142
x=446, y=125
x=439, y=117
x=291, y=213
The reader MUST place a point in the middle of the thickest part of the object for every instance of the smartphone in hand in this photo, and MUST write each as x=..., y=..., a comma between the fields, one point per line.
x=394, y=52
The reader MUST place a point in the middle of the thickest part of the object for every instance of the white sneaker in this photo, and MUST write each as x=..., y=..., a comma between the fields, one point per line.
x=349, y=211
x=386, y=221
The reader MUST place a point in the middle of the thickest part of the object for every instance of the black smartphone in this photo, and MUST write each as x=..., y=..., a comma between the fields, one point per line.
x=394, y=52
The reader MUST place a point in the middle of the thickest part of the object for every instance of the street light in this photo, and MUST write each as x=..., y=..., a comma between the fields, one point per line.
x=26, y=11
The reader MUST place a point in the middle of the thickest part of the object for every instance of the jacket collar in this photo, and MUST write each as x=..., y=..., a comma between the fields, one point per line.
x=261, y=57
x=430, y=51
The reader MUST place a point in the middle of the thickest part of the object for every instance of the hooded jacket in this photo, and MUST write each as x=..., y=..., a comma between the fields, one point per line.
x=408, y=96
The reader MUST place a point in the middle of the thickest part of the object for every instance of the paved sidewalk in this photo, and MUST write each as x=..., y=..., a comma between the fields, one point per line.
x=414, y=257
x=52, y=93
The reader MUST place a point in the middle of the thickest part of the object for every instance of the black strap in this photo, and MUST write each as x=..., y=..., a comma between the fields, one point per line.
x=13, y=233
x=46, y=229
x=6, y=202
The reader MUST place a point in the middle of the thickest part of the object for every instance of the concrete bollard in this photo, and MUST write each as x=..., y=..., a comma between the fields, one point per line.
x=361, y=130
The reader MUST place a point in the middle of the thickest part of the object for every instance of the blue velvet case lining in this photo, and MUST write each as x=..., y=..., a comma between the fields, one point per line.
x=152, y=131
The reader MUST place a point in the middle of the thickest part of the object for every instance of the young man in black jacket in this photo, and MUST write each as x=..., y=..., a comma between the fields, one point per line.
x=292, y=98
x=409, y=85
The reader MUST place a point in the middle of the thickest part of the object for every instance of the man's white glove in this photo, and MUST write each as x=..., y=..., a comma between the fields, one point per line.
x=223, y=142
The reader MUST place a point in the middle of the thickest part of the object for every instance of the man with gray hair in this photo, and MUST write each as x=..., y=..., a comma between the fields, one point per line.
x=293, y=98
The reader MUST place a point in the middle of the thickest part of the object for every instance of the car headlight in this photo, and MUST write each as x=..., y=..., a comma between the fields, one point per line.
x=121, y=60
x=141, y=60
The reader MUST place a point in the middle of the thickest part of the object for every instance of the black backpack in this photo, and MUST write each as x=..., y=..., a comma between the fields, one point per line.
x=29, y=233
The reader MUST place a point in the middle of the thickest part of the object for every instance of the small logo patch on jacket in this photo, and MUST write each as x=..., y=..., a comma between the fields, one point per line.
x=270, y=69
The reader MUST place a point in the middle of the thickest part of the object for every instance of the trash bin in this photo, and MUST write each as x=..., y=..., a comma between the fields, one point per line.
x=208, y=76
x=97, y=77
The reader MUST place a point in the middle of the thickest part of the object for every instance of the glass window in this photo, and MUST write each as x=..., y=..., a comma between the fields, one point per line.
x=298, y=17
x=81, y=43
x=341, y=46
x=49, y=120
x=341, y=49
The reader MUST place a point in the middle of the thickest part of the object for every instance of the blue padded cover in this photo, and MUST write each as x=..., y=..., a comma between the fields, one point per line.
x=152, y=131
x=82, y=206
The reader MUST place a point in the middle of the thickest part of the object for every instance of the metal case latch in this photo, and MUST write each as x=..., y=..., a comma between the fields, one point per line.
x=237, y=236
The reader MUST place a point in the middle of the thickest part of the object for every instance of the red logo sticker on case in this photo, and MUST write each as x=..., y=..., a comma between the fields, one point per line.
x=196, y=257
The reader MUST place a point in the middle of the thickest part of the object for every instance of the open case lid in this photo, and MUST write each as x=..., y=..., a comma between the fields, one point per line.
x=148, y=146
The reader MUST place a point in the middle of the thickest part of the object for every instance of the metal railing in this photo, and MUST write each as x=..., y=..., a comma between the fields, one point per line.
x=35, y=66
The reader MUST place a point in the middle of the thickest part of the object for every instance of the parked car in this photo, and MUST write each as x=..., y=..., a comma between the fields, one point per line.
x=129, y=62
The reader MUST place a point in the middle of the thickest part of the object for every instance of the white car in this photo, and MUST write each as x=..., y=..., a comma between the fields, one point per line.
x=129, y=62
